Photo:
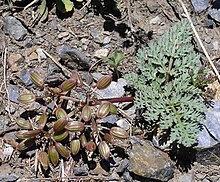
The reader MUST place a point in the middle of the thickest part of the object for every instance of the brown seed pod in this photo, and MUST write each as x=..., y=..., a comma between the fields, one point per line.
x=24, y=124
x=63, y=151
x=91, y=146
x=75, y=126
x=60, y=135
x=104, y=82
x=25, y=144
x=42, y=120
x=104, y=150
x=44, y=160
x=75, y=146
x=103, y=110
x=119, y=133
x=86, y=113
x=53, y=155
x=26, y=98
x=68, y=85
x=60, y=124
x=60, y=113
x=37, y=79
x=25, y=134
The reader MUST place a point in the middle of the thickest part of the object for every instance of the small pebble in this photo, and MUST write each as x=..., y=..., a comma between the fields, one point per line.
x=13, y=93
x=101, y=53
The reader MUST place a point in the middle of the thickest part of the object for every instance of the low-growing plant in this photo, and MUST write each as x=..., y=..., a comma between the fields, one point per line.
x=115, y=61
x=60, y=132
x=169, y=86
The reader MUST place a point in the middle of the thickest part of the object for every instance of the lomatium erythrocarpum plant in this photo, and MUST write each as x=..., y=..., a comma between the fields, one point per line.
x=59, y=133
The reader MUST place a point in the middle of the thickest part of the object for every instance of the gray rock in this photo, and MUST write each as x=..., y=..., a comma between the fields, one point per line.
x=127, y=177
x=107, y=40
x=149, y=162
x=3, y=122
x=210, y=135
x=110, y=119
x=8, y=178
x=28, y=43
x=25, y=77
x=186, y=178
x=13, y=92
x=81, y=171
x=14, y=28
x=200, y=5
x=79, y=58
x=215, y=14
x=123, y=165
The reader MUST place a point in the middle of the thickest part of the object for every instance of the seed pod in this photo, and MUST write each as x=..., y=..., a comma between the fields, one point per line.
x=103, y=110
x=83, y=140
x=44, y=160
x=104, y=82
x=37, y=79
x=75, y=146
x=91, y=146
x=108, y=137
x=68, y=85
x=42, y=121
x=119, y=133
x=25, y=144
x=60, y=124
x=53, y=155
x=75, y=75
x=60, y=135
x=104, y=150
x=75, y=126
x=86, y=113
x=60, y=113
x=112, y=109
x=63, y=151
x=25, y=134
x=26, y=98
x=24, y=124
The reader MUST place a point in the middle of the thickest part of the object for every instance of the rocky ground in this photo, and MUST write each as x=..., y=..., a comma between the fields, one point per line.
x=90, y=33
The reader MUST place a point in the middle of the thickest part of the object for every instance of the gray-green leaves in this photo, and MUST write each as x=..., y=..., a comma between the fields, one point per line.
x=164, y=87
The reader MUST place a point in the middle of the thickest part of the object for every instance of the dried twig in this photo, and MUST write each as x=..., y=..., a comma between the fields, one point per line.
x=199, y=40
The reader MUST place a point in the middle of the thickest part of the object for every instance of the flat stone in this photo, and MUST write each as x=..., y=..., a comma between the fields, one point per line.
x=25, y=77
x=122, y=166
x=13, y=60
x=14, y=28
x=148, y=162
x=8, y=178
x=101, y=53
x=215, y=14
x=200, y=5
x=13, y=92
x=81, y=171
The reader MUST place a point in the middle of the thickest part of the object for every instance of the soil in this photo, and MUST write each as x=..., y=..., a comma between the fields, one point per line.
x=132, y=27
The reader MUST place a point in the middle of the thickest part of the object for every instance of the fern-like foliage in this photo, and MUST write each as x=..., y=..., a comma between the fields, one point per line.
x=165, y=88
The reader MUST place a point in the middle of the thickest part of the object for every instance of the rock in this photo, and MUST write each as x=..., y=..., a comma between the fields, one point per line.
x=215, y=14
x=215, y=45
x=210, y=135
x=200, y=5
x=28, y=43
x=79, y=58
x=149, y=162
x=208, y=156
x=101, y=53
x=13, y=93
x=123, y=123
x=114, y=177
x=209, y=23
x=107, y=40
x=122, y=166
x=62, y=35
x=110, y=119
x=3, y=123
x=13, y=60
x=81, y=171
x=14, y=28
x=114, y=90
x=8, y=178
x=155, y=20
x=127, y=176
x=186, y=178
x=25, y=77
